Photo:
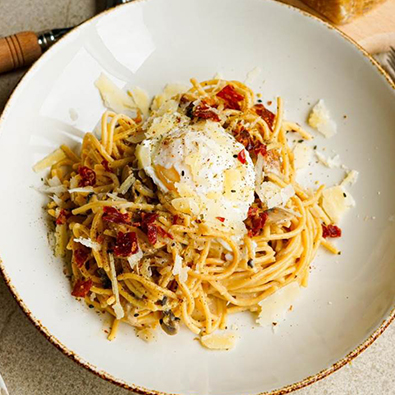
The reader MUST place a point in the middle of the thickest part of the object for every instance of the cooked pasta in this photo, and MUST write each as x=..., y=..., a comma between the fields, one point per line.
x=149, y=262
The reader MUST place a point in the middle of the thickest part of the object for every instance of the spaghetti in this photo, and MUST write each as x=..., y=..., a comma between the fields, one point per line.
x=136, y=257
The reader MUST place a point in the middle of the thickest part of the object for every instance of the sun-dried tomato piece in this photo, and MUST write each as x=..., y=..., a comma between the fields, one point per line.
x=231, y=97
x=265, y=114
x=62, y=217
x=163, y=233
x=126, y=244
x=203, y=111
x=331, y=231
x=106, y=166
x=149, y=218
x=221, y=219
x=81, y=255
x=152, y=233
x=111, y=214
x=260, y=149
x=175, y=219
x=81, y=288
x=256, y=222
x=88, y=176
x=241, y=156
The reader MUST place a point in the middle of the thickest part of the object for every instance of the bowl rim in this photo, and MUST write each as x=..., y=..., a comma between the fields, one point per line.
x=133, y=387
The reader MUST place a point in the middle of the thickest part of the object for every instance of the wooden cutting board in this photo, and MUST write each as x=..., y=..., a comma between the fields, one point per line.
x=375, y=31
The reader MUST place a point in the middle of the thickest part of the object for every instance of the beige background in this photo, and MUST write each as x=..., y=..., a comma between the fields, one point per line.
x=31, y=365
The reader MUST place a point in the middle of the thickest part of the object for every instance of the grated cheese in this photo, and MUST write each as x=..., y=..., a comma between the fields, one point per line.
x=82, y=190
x=319, y=119
x=88, y=243
x=117, y=307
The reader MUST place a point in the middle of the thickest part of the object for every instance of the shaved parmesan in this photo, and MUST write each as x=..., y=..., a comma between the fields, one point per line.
x=351, y=178
x=280, y=215
x=169, y=91
x=302, y=155
x=328, y=162
x=59, y=202
x=179, y=270
x=54, y=181
x=336, y=202
x=57, y=190
x=186, y=205
x=117, y=307
x=215, y=341
x=319, y=119
x=140, y=98
x=82, y=190
x=114, y=196
x=275, y=307
x=88, y=243
x=273, y=196
x=113, y=97
x=49, y=160
x=134, y=259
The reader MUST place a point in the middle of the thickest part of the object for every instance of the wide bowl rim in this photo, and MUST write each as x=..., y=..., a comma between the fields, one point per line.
x=133, y=387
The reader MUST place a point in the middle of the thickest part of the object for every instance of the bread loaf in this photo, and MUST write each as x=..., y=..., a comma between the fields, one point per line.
x=342, y=11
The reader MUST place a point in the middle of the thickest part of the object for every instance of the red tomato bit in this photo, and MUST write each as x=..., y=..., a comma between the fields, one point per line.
x=126, y=244
x=81, y=288
x=152, y=232
x=111, y=214
x=203, y=111
x=257, y=221
x=175, y=219
x=231, y=97
x=265, y=114
x=81, y=255
x=241, y=156
x=62, y=217
x=164, y=233
x=222, y=219
x=331, y=231
x=88, y=176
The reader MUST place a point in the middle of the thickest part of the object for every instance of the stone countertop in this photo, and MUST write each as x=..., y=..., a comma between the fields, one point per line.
x=30, y=365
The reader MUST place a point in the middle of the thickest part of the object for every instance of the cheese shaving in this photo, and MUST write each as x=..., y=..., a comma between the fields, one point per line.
x=140, y=98
x=336, y=202
x=88, y=243
x=214, y=341
x=351, y=178
x=113, y=97
x=302, y=155
x=82, y=190
x=134, y=259
x=328, y=162
x=49, y=160
x=320, y=120
x=179, y=270
x=275, y=307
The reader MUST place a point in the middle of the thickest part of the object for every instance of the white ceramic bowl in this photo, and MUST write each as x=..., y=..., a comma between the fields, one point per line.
x=149, y=43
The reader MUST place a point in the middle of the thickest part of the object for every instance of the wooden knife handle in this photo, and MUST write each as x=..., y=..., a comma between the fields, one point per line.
x=18, y=50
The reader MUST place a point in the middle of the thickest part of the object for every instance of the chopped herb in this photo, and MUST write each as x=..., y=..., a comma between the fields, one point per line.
x=259, y=101
x=89, y=197
x=163, y=301
x=136, y=315
x=235, y=156
x=233, y=191
x=250, y=263
x=315, y=147
x=300, y=141
x=339, y=253
x=344, y=194
x=183, y=173
x=91, y=306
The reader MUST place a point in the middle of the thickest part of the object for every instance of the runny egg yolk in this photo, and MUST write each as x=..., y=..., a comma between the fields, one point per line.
x=198, y=170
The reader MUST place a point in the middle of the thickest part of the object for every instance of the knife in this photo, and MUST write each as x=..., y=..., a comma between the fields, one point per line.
x=24, y=48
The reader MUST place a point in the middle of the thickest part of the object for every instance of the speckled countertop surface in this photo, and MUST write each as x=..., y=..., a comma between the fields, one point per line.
x=31, y=365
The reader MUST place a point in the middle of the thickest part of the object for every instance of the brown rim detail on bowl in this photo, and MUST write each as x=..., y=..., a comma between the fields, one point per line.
x=140, y=390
